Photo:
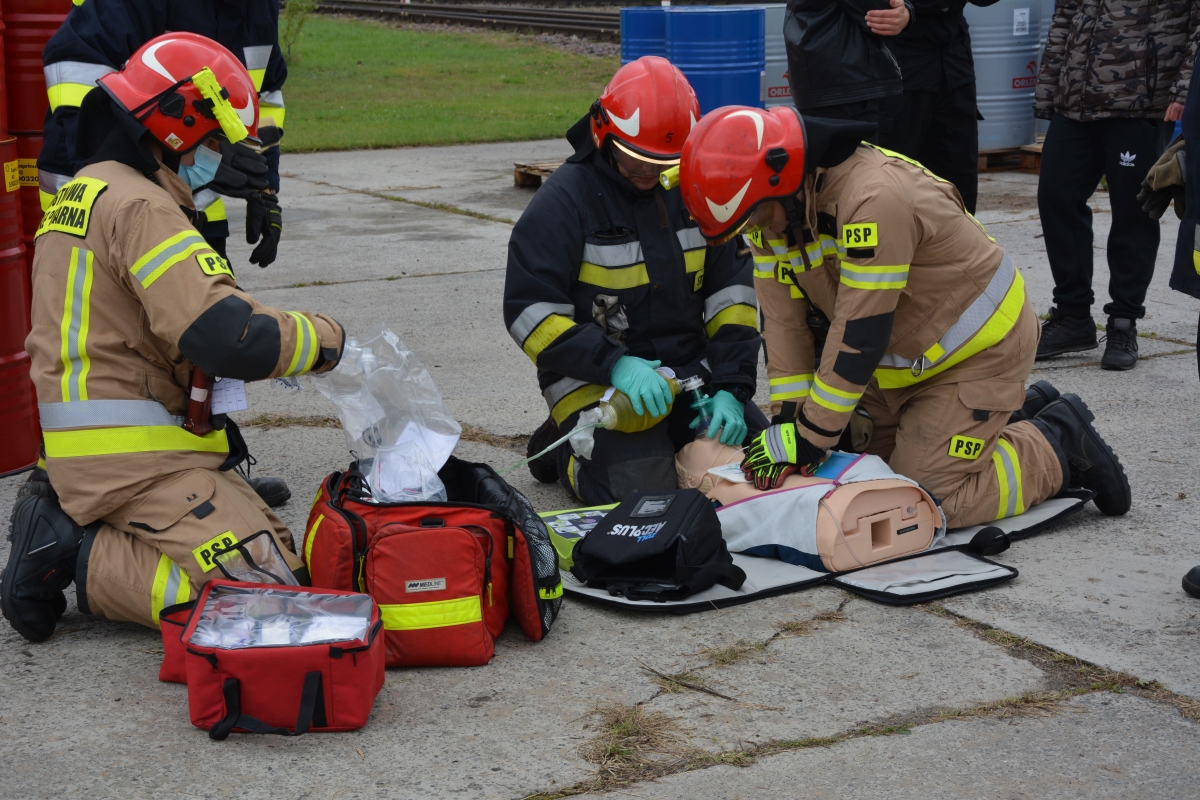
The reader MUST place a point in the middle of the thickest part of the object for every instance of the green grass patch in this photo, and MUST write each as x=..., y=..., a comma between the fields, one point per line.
x=358, y=84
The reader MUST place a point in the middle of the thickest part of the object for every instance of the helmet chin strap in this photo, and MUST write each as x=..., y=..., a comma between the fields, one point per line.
x=794, y=209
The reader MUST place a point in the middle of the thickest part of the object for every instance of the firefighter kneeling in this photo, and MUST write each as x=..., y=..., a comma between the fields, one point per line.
x=128, y=297
x=931, y=332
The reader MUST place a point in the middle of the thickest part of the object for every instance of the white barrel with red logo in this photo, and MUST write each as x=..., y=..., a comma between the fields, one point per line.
x=1004, y=43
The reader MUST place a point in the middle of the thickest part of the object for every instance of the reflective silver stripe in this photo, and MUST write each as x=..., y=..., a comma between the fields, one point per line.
x=104, y=414
x=794, y=387
x=704, y=363
x=171, y=592
x=169, y=253
x=854, y=272
x=533, y=316
x=560, y=389
x=307, y=333
x=80, y=276
x=1009, y=476
x=50, y=182
x=205, y=198
x=257, y=56
x=837, y=401
x=613, y=255
x=729, y=296
x=690, y=238
x=74, y=72
x=971, y=321
x=273, y=99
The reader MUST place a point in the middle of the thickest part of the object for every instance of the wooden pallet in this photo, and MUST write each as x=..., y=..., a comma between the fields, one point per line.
x=1031, y=158
x=532, y=174
x=1000, y=160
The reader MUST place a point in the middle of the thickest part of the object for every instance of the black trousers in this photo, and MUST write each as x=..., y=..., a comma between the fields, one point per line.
x=1074, y=156
x=623, y=463
x=939, y=129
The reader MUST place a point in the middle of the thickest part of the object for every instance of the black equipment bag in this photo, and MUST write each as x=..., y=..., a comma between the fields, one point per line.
x=660, y=547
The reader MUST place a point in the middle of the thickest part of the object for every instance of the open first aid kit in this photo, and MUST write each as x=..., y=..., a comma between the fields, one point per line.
x=265, y=658
x=446, y=575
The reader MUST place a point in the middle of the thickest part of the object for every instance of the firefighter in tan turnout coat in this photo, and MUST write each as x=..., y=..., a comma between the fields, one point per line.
x=128, y=298
x=930, y=331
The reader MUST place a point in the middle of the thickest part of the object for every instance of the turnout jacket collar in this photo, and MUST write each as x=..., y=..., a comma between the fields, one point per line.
x=598, y=269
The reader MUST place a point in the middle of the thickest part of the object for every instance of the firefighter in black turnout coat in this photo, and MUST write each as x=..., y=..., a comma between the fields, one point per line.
x=609, y=278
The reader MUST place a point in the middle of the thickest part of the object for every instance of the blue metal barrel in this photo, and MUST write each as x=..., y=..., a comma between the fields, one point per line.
x=721, y=51
x=643, y=33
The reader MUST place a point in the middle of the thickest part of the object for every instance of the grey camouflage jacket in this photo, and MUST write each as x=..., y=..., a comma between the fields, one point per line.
x=1117, y=58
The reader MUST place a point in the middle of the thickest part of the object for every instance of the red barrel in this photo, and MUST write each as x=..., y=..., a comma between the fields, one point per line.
x=20, y=435
x=3, y=91
x=28, y=24
x=28, y=147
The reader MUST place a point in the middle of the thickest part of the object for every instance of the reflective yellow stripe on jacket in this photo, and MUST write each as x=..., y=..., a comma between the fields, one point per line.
x=77, y=312
x=567, y=395
x=68, y=81
x=540, y=324
x=307, y=345
x=133, y=439
x=166, y=254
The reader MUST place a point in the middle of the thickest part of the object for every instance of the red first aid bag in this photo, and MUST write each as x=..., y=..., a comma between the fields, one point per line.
x=264, y=658
x=446, y=575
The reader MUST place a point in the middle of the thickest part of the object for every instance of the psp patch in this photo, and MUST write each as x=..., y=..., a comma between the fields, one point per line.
x=206, y=554
x=213, y=264
x=966, y=447
x=860, y=234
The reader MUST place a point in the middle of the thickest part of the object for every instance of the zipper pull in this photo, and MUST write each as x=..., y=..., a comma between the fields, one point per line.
x=490, y=603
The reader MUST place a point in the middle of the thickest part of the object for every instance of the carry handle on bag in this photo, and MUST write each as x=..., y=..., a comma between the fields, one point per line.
x=266, y=658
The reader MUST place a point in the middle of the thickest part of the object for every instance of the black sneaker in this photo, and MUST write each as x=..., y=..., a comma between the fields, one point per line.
x=1121, y=346
x=545, y=468
x=1038, y=395
x=1191, y=582
x=273, y=491
x=41, y=563
x=1062, y=334
x=1087, y=459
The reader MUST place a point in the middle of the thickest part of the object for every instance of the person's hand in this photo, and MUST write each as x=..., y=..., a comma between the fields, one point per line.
x=1174, y=111
x=241, y=173
x=728, y=417
x=776, y=453
x=644, y=387
x=263, y=219
x=889, y=22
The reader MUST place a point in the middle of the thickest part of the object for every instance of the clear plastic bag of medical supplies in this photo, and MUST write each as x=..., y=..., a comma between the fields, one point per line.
x=236, y=617
x=255, y=559
x=395, y=421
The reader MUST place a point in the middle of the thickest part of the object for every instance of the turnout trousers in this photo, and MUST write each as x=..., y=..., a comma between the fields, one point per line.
x=953, y=437
x=623, y=463
x=142, y=559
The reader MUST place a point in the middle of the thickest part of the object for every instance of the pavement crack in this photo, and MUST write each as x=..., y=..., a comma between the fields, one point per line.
x=1040, y=368
x=449, y=208
x=268, y=421
x=404, y=277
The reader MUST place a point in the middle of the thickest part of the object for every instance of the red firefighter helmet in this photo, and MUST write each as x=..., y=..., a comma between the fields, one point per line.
x=736, y=159
x=184, y=88
x=648, y=109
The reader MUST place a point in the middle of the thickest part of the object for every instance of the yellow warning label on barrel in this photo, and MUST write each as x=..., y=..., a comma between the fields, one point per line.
x=966, y=447
x=27, y=167
x=12, y=176
x=206, y=554
x=71, y=209
x=860, y=234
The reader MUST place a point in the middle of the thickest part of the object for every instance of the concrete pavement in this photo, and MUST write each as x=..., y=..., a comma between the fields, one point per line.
x=84, y=714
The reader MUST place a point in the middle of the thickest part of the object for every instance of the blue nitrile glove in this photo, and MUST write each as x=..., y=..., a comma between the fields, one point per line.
x=728, y=416
x=637, y=379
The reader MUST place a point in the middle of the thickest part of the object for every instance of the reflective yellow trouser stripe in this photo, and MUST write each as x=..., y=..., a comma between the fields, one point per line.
x=312, y=534
x=579, y=399
x=136, y=439
x=77, y=313
x=438, y=614
x=171, y=587
x=1008, y=476
x=734, y=315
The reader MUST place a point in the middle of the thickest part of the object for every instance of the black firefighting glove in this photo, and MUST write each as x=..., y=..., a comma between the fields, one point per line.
x=264, y=220
x=777, y=452
x=1164, y=183
x=242, y=171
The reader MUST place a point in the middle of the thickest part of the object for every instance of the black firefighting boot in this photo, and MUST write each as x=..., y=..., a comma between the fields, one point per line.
x=273, y=491
x=1062, y=334
x=1120, y=344
x=1191, y=582
x=1087, y=461
x=1037, y=396
x=544, y=468
x=42, y=561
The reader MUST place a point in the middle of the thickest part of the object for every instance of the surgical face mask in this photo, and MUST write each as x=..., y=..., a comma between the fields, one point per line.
x=203, y=170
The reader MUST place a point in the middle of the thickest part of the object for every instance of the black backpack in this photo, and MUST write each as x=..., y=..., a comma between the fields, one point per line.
x=660, y=547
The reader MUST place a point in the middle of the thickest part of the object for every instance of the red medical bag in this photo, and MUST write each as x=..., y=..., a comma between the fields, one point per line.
x=446, y=575
x=265, y=658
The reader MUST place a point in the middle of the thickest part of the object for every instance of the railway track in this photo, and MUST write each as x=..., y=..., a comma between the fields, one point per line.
x=593, y=24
